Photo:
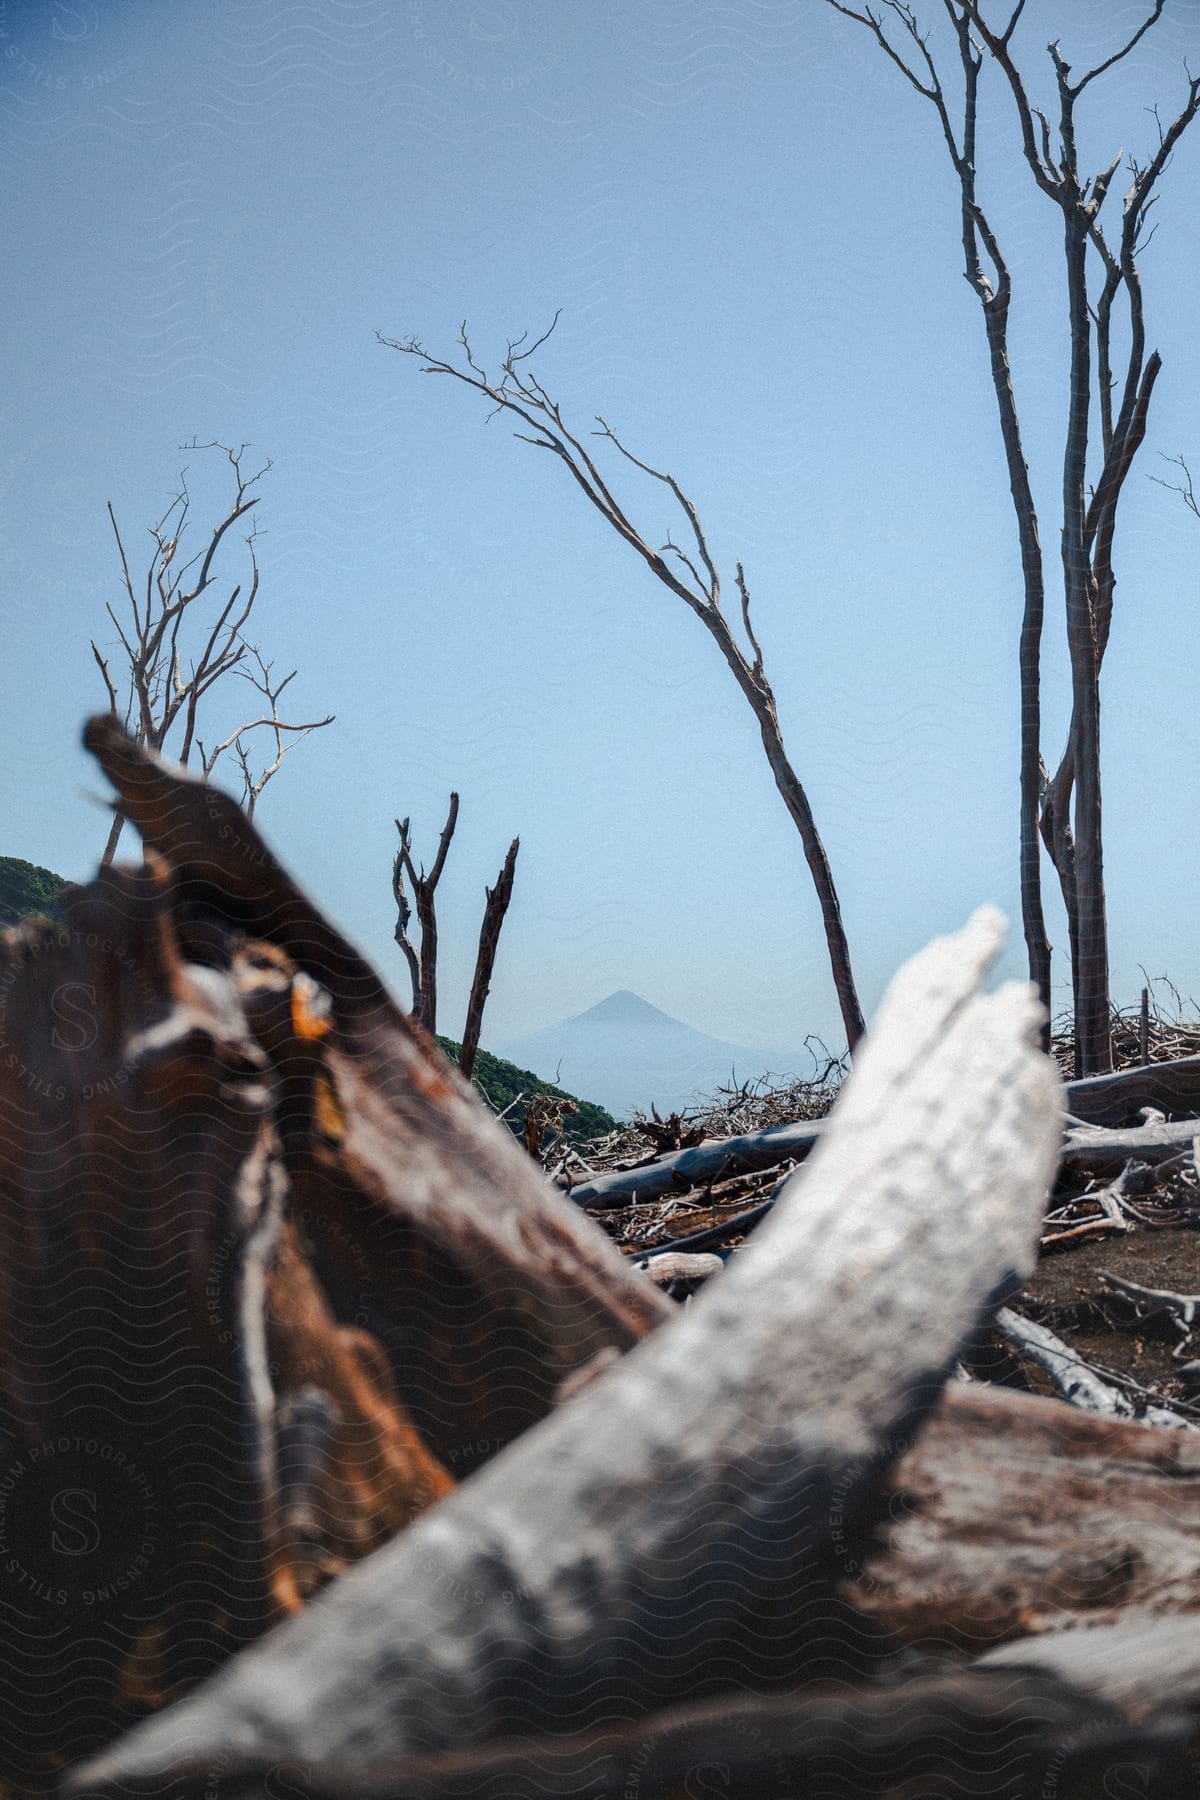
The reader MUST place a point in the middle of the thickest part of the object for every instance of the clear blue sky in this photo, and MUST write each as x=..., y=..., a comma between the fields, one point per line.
x=749, y=224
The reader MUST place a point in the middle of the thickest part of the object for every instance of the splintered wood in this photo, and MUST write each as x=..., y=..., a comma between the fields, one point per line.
x=287, y=1310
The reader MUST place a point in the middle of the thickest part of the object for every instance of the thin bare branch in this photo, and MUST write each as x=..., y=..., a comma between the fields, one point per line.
x=108, y=680
x=524, y=356
x=402, y=865
x=1006, y=35
x=713, y=586
x=1185, y=488
x=1119, y=55
x=875, y=27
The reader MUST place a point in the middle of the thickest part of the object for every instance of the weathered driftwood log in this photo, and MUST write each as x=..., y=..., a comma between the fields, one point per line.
x=1075, y=1380
x=1015, y=1514
x=1009, y=1734
x=1158, y=1140
x=425, y=1223
x=682, y=1525
x=1144, y=1664
x=1087, y=1147
x=1117, y=1099
x=679, y=1265
x=707, y=1162
x=1012, y=1517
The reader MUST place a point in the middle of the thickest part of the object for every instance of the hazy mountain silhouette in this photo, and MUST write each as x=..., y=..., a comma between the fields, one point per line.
x=626, y=1053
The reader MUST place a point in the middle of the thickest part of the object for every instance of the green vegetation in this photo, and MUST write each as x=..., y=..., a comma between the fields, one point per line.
x=25, y=888
x=502, y=1082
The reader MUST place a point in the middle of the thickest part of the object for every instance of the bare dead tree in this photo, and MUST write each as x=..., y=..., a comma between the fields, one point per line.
x=495, y=908
x=423, y=961
x=1098, y=275
x=162, y=681
x=690, y=574
x=422, y=967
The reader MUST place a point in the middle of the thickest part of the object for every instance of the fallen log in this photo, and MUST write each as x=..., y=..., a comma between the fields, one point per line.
x=1144, y=1664
x=1118, y=1098
x=1014, y=1519
x=424, y=1221
x=670, y=1266
x=682, y=1524
x=1147, y=1302
x=1015, y=1514
x=1075, y=1380
x=1011, y=1734
x=1097, y=1148
x=1084, y=1146
x=702, y=1164
x=167, y=1486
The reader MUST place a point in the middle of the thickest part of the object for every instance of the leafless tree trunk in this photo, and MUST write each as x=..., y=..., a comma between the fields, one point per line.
x=163, y=682
x=691, y=575
x=494, y=910
x=422, y=968
x=1089, y=513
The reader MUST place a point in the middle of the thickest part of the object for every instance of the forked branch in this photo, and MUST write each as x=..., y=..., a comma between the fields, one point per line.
x=422, y=966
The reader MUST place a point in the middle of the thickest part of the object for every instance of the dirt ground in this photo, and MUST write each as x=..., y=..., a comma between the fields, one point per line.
x=1068, y=1294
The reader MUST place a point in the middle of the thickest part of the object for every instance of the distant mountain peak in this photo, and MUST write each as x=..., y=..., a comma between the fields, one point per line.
x=624, y=1006
x=629, y=1053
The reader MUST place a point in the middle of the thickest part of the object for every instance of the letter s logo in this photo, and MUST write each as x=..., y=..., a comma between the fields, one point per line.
x=493, y=21
x=74, y=1003
x=706, y=1782
x=74, y=23
x=75, y=1508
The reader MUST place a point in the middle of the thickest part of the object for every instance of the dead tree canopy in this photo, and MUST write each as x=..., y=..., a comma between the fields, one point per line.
x=1111, y=374
x=178, y=642
x=686, y=570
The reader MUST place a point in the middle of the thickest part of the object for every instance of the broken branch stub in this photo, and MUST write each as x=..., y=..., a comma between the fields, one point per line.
x=681, y=1525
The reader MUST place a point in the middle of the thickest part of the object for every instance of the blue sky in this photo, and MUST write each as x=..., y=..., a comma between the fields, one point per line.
x=749, y=225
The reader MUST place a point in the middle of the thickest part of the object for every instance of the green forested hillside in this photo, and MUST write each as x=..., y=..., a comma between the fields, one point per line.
x=26, y=888
x=501, y=1082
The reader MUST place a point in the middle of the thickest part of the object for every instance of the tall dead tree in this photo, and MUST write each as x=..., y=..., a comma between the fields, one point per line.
x=175, y=650
x=1099, y=274
x=690, y=574
x=423, y=962
x=422, y=966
